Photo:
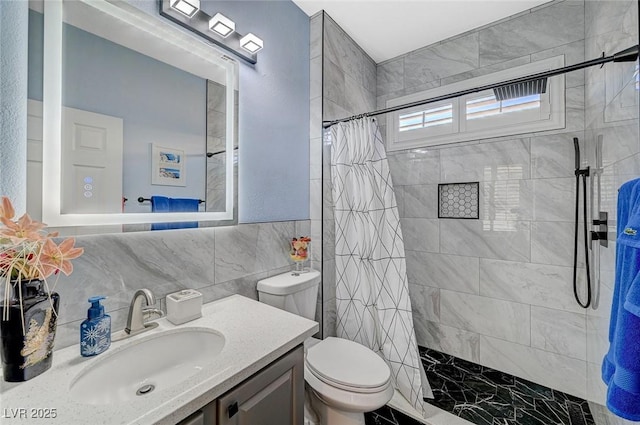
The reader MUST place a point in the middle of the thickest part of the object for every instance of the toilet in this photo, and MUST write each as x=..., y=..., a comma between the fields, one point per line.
x=344, y=379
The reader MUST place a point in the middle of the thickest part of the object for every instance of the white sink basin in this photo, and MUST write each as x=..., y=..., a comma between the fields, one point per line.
x=146, y=366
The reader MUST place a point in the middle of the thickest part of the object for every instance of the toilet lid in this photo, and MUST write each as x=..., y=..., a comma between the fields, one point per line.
x=347, y=363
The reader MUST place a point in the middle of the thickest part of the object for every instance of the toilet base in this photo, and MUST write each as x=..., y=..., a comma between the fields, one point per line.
x=331, y=416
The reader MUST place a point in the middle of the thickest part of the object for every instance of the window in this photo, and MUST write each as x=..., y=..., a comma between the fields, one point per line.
x=440, y=118
x=478, y=115
x=488, y=106
x=440, y=115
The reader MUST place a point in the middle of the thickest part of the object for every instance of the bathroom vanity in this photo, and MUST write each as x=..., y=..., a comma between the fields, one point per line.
x=241, y=363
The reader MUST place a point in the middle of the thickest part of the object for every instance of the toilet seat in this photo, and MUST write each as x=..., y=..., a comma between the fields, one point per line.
x=347, y=365
x=346, y=400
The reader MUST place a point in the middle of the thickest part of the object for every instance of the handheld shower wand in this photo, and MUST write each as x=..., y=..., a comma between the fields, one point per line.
x=584, y=172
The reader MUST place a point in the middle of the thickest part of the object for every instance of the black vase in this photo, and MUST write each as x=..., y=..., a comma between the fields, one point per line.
x=27, y=346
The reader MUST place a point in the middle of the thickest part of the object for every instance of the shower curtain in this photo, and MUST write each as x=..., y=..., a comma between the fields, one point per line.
x=372, y=292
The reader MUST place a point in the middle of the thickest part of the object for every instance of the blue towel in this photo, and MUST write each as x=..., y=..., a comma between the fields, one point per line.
x=164, y=204
x=630, y=237
x=621, y=365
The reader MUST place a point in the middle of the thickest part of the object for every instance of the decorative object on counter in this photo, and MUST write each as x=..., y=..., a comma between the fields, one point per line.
x=299, y=249
x=184, y=306
x=95, y=331
x=28, y=256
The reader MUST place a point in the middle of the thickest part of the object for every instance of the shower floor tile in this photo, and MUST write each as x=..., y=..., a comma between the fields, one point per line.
x=485, y=396
x=388, y=416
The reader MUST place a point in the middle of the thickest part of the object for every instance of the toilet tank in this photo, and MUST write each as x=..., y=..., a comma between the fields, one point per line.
x=292, y=292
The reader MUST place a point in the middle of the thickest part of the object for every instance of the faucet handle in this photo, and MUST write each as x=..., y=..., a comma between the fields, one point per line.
x=150, y=313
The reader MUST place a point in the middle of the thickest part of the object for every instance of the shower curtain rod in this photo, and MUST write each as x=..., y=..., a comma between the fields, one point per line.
x=627, y=55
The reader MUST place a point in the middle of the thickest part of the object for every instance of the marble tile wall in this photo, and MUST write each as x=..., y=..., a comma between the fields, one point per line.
x=316, y=169
x=343, y=79
x=611, y=114
x=498, y=290
x=218, y=262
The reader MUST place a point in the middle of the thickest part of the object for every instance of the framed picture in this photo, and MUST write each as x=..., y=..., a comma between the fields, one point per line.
x=168, y=166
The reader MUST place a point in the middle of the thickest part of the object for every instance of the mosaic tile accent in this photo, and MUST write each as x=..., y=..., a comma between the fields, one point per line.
x=458, y=200
x=485, y=396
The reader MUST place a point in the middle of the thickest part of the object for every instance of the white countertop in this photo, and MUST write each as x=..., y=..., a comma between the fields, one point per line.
x=256, y=334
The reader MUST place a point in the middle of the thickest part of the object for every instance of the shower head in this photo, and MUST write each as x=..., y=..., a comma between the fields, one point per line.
x=526, y=88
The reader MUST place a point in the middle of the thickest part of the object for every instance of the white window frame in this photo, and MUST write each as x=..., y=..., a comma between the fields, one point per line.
x=550, y=116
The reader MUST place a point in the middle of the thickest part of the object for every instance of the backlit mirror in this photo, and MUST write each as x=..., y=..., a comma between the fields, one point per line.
x=133, y=126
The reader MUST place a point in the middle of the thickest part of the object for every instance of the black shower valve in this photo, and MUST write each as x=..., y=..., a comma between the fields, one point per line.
x=583, y=171
x=599, y=236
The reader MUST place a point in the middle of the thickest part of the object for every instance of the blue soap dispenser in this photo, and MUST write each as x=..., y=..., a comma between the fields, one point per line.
x=95, y=332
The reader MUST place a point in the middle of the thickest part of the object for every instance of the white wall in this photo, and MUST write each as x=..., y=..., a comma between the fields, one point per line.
x=13, y=102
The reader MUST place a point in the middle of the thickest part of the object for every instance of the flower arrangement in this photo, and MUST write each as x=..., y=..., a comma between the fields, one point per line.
x=300, y=248
x=28, y=252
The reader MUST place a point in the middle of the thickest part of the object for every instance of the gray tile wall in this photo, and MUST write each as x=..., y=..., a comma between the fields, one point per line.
x=343, y=83
x=218, y=262
x=498, y=290
x=316, y=170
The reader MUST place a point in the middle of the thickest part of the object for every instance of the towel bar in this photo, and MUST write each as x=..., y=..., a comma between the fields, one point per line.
x=141, y=200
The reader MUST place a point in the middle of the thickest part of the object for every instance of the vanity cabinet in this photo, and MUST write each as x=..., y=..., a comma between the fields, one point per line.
x=275, y=395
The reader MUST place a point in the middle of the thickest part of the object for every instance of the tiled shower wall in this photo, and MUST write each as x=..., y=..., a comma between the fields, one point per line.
x=217, y=261
x=343, y=83
x=498, y=290
x=315, y=163
x=611, y=114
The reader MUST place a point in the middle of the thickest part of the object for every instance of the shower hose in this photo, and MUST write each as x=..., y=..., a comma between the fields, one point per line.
x=584, y=173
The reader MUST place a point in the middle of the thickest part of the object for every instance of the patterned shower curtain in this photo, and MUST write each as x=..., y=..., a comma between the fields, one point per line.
x=372, y=292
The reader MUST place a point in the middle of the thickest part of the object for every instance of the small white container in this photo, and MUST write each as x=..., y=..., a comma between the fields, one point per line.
x=184, y=306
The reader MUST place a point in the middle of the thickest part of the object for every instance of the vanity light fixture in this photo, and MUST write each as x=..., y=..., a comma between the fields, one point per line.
x=217, y=29
x=251, y=43
x=222, y=25
x=187, y=7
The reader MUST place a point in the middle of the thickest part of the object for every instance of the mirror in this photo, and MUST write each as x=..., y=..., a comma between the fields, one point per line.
x=132, y=108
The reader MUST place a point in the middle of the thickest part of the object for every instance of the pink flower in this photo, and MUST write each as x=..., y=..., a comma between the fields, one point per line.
x=23, y=229
x=6, y=209
x=57, y=257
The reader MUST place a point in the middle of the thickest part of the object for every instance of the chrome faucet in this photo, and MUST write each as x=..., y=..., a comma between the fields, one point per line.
x=135, y=320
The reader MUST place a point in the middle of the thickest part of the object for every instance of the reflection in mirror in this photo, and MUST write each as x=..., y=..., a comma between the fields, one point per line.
x=147, y=119
x=216, y=148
